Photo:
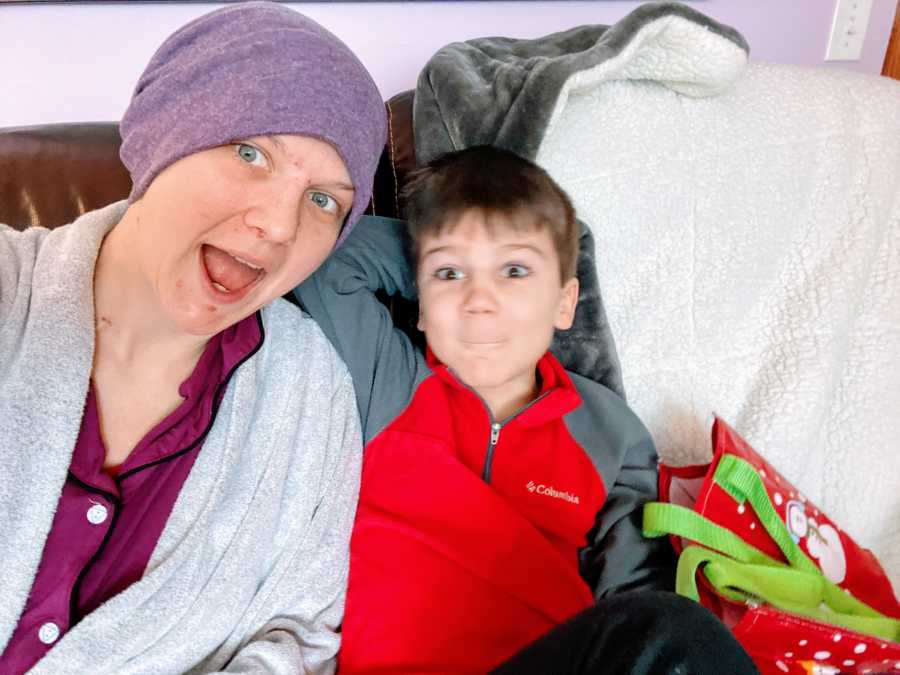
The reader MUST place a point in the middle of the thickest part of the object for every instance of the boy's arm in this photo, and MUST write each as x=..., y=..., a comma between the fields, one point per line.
x=618, y=556
x=340, y=296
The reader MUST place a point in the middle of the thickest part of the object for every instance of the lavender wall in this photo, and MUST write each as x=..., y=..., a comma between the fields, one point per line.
x=78, y=62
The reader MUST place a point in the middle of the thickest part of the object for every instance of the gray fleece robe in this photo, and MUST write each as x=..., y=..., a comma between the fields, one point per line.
x=250, y=571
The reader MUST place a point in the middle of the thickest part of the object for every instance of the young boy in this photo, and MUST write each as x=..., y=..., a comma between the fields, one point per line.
x=500, y=493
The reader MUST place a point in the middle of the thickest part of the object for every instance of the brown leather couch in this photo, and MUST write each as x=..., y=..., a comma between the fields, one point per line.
x=51, y=174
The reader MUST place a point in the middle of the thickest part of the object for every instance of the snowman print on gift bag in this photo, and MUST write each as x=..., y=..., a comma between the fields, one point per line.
x=821, y=541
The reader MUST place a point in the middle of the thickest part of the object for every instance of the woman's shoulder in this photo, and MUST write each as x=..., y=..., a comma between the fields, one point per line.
x=23, y=249
x=287, y=325
x=292, y=339
x=19, y=248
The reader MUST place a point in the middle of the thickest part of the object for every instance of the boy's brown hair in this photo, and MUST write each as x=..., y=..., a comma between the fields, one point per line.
x=503, y=187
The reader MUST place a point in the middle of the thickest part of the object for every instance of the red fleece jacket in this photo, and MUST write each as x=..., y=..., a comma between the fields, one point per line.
x=465, y=548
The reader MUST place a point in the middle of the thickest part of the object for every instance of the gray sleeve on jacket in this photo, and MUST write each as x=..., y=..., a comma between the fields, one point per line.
x=618, y=557
x=385, y=366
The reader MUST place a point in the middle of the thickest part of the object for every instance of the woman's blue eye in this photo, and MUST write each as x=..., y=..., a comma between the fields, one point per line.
x=448, y=274
x=516, y=271
x=324, y=201
x=250, y=154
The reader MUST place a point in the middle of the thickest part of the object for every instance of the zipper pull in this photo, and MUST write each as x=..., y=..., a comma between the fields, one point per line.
x=495, y=433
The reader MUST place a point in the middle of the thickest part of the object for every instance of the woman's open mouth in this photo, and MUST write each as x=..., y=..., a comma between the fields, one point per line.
x=230, y=277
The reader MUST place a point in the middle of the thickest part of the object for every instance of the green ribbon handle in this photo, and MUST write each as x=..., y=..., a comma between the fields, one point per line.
x=739, y=479
x=743, y=573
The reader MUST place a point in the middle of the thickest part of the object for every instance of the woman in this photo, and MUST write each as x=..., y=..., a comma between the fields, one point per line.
x=181, y=447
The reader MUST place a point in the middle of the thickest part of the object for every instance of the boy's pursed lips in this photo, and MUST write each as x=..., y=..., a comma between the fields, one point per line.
x=482, y=345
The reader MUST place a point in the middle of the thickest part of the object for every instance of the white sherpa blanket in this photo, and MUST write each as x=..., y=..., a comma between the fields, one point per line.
x=748, y=250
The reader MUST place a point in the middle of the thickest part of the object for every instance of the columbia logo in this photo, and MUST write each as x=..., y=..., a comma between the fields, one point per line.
x=550, y=491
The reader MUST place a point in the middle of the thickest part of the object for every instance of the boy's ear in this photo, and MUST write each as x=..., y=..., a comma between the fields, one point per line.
x=419, y=323
x=568, y=299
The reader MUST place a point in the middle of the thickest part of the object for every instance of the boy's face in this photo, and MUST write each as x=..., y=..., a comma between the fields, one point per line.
x=490, y=300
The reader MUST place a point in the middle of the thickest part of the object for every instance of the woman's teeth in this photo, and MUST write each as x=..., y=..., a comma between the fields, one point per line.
x=229, y=273
x=248, y=264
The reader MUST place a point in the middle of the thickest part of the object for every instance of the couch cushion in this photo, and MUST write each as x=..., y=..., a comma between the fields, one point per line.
x=51, y=174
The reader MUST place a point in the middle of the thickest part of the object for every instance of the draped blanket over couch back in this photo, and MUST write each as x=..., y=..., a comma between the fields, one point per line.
x=747, y=223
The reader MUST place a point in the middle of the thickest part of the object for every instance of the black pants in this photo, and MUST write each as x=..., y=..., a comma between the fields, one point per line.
x=636, y=633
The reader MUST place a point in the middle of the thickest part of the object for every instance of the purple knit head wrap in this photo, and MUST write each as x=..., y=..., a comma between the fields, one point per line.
x=253, y=69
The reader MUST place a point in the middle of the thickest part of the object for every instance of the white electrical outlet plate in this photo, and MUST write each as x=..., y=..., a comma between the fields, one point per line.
x=848, y=30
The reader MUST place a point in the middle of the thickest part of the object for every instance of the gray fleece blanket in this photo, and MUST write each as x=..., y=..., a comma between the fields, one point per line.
x=508, y=92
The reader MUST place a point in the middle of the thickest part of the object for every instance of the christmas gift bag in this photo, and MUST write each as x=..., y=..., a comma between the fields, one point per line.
x=798, y=593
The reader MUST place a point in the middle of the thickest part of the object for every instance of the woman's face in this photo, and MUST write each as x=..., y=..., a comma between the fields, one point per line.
x=224, y=231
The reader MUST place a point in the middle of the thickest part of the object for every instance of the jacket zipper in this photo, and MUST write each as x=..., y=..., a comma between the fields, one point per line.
x=496, y=428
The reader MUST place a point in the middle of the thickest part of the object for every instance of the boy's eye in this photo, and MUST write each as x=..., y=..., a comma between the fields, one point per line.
x=516, y=271
x=250, y=154
x=448, y=274
x=324, y=201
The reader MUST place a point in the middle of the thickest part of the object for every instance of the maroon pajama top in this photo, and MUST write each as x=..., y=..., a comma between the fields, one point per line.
x=108, y=522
